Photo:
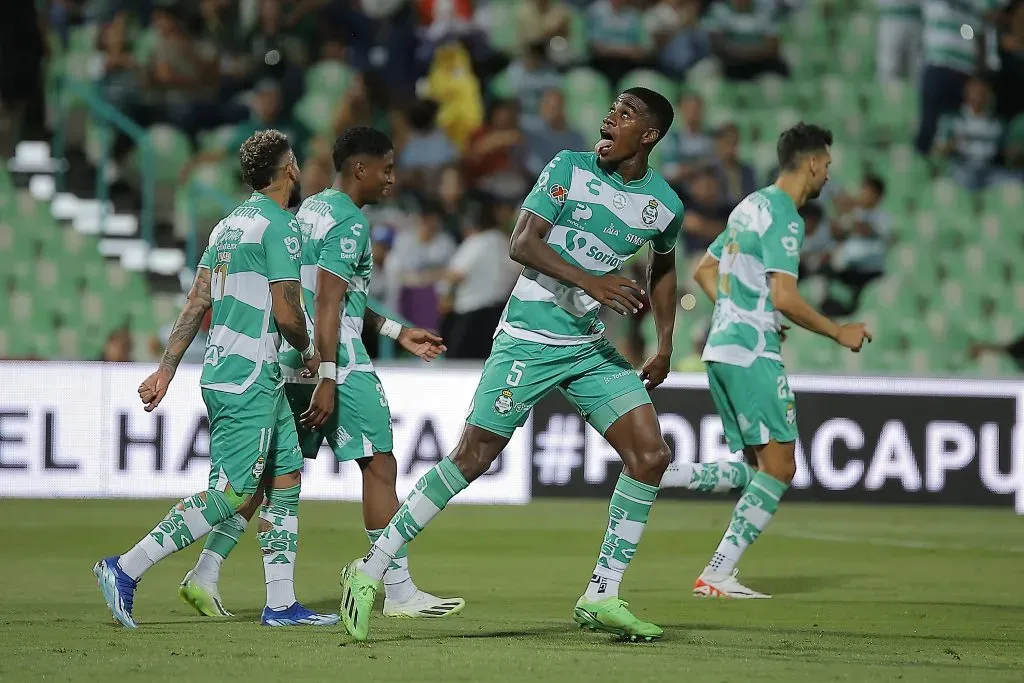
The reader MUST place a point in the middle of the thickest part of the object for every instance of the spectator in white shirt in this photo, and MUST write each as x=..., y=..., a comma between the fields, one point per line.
x=416, y=264
x=863, y=235
x=474, y=289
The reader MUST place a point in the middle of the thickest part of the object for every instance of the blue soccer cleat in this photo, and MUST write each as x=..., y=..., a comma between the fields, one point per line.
x=296, y=615
x=118, y=590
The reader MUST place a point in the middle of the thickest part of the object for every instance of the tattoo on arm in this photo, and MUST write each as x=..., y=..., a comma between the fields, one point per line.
x=373, y=319
x=293, y=321
x=187, y=325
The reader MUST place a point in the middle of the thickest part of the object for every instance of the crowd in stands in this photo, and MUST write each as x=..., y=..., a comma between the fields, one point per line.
x=473, y=92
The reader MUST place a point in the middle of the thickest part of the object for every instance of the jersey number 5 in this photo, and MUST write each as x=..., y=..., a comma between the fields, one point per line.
x=515, y=375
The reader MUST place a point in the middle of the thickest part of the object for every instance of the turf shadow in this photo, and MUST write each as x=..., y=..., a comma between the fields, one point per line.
x=839, y=633
x=791, y=585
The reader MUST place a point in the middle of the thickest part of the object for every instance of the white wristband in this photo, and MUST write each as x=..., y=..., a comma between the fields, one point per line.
x=309, y=352
x=390, y=328
x=328, y=371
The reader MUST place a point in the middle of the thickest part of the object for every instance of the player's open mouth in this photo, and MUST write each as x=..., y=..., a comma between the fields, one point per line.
x=604, y=144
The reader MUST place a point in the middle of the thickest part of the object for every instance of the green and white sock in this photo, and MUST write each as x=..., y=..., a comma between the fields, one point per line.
x=429, y=497
x=751, y=515
x=219, y=543
x=185, y=523
x=398, y=584
x=709, y=477
x=627, y=516
x=279, y=544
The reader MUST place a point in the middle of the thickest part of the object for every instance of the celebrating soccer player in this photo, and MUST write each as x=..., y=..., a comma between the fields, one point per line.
x=750, y=272
x=587, y=214
x=346, y=405
x=249, y=275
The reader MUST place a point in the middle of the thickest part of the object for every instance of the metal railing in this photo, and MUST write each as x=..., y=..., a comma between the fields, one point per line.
x=108, y=118
x=195, y=191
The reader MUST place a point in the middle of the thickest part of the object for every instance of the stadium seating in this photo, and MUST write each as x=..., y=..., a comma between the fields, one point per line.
x=951, y=271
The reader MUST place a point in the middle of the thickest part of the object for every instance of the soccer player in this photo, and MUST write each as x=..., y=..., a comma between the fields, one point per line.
x=750, y=272
x=249, y=275
x=586, y=215
x=347, y=406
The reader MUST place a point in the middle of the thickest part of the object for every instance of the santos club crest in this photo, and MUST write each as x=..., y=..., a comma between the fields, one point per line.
x=650, y=212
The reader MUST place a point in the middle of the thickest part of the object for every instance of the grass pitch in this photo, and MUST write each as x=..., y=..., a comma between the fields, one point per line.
x=862, y=593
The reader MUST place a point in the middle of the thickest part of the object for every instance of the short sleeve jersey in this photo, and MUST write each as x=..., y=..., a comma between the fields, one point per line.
x=256, y=244
x=598, y=222
x=335, y=238
x=763, y=236
x=742, y=26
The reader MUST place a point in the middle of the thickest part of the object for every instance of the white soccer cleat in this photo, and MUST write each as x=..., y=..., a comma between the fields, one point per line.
x=203, y=598
x=712, y=584
x=423, y=606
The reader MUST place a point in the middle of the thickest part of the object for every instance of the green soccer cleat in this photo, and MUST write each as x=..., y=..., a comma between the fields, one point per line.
x=611, y=616
x=358, y=591
x=202, y=598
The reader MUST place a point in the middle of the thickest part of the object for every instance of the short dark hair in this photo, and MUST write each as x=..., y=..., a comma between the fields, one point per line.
x=658, y=108
x=260, y=157
x=360, y=140
x=501, y=103
x=727, y=128
x=422, y=115
x=801, y=139
x=875, y=183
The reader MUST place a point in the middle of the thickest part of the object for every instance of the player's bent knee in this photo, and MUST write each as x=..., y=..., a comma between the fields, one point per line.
x=779, y=462
x=477, y=449
x=381, y=466
x=649, y=464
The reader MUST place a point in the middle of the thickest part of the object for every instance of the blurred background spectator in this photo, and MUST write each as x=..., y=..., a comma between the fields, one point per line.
x=818, y=240
x=22, y=49
x=474, y=287
x=673, y=27
x=862, y=233
x=529, y=77
x=745, y=37
x=736, y=177
x=688, y=148
x=549, y=133
x=916, y=230
x=899, y=40
x=970, y=139
x=416, y=264
x=617, y=38
x=496, y=155
x=425, y=149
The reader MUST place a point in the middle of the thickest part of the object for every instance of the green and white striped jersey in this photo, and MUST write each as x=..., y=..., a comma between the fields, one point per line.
x=904, y=9
x=944, y=42
x=764, y=235
x=256, y=244
x=335, y=238
x=598, y=222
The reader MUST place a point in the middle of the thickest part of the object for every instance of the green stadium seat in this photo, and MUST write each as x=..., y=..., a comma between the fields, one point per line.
x=1005, y=201
x=587, y=97
x=215, y=140
x=583, y=83
x=578, y=50
x=651, y=79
